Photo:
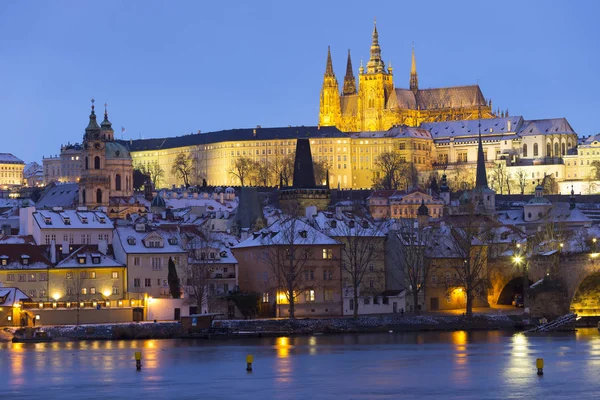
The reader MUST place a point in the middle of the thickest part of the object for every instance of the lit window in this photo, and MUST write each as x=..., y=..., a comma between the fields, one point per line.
x=327, y=253
x=115, y=275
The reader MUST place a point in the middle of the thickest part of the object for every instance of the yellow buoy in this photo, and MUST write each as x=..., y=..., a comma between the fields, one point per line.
x=540, y=366
x=249, y=360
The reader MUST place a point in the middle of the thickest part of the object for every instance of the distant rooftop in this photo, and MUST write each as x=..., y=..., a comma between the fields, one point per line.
x=7, y=158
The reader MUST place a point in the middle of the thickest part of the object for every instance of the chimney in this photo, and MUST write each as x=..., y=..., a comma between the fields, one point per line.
x=65, y=248
x=53, y=252
x=103, y=246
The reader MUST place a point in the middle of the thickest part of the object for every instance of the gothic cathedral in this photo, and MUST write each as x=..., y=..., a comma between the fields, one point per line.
x=107, y=165
x=377, y=105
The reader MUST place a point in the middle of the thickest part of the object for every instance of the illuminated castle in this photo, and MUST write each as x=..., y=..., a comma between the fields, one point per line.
x=377, y=105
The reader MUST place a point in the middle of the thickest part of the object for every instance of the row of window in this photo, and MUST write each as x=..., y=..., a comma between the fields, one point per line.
x=137, y=282
x=42, y=277
x=86, y=238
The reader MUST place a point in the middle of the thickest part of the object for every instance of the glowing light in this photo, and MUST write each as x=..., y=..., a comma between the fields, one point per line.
x=150, y=299
x=17, y=305
x=56, y=296
x=106, y=293
x=518, y=259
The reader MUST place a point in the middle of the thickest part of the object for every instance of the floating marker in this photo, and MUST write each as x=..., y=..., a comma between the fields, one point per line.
x=138, y=360
x=540, y=366
x=249, y=360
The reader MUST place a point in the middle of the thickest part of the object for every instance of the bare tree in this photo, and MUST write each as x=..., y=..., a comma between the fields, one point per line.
x=321, y=169
x=521, y=179
x=242, y=169
x=363, y=248
x=76, y=289
x=154, y=171
x=264, y=173
x=287, y=253
x=197, y=280
x=283, y=168
x=508, y=182
x=499, y=176
x=393, y=172
x=408, y=251
x=463, y=178
x=469, y=243
x=183, y=167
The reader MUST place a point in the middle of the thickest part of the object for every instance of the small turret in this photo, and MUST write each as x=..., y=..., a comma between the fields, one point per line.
x=414, y=79
x=93, y=130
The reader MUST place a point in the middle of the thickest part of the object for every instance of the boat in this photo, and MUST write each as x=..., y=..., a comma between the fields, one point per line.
x=30, y=335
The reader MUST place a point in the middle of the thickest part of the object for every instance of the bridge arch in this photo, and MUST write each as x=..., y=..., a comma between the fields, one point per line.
x=586, y=297
x=512, y=288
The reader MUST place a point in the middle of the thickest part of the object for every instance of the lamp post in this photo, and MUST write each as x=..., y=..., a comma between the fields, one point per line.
x=594, y=240
x=520, y=259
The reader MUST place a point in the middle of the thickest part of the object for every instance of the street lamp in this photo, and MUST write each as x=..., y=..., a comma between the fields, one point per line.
x=518, y=260
x=594, y=240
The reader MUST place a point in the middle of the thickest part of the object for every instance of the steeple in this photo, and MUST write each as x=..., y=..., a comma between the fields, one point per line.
x=93, y=130
x=414, y=80
x=304, y=173
x=107, y=130
x=375, y=63
x=481, y=176
x=349, y=81
x=572, y=204
x=329, y=67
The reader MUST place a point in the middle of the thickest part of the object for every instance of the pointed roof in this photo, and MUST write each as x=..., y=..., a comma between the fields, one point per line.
x=414, y=79
x=375, y=63
x=481, y=176
x=304, y=174
x=92, y=125
x=106, y=124
x=329, y=67
x=423, y=210
x=349, y=81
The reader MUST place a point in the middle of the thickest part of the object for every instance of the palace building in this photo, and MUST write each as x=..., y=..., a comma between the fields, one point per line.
x=377, y=105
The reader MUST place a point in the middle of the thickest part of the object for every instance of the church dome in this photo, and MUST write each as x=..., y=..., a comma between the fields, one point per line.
x=158, y=201
x=117, y=150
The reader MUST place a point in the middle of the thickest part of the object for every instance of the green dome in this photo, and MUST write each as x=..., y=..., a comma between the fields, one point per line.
x=117, y=150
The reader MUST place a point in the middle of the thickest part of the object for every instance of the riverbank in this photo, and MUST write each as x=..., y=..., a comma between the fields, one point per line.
x=278, y=327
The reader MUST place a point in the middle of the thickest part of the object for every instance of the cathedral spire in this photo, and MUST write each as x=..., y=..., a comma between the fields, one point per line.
x=414, y=80
x=375, y=63
x=329, y=67
x=349, y=81
x=481, y=175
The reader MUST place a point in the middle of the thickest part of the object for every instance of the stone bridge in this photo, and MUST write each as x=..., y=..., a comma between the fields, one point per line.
x=561, y=282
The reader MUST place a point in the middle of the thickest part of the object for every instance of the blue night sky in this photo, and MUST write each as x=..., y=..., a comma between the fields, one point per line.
x=171, y=68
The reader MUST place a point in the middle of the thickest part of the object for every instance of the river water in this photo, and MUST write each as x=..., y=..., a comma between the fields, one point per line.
x=448, y=365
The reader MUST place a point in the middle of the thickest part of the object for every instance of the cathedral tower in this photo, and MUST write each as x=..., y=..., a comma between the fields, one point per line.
x=330, y=112
x=349, y=81
x=375, y=87
x=107, y=165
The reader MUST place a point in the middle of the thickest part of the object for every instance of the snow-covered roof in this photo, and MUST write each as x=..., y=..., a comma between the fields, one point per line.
x=72, y=219
x=23, y=256
x=134, y=242
x=11, y=295
x=7, y=158
x=60, y=195
x=546, y=127
x=470, y=128
x=187, y=200
x=287, y=232
x=347, y=224
x=91, y=259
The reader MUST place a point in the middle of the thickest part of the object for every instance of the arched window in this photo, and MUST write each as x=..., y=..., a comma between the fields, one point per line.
x=548, y=150
x=118, y=182
x=556, y=151
x=535, y=150
x=564, y=149
x=96, y=162
x=98, y=196
x=86, y=162
x=524, y=150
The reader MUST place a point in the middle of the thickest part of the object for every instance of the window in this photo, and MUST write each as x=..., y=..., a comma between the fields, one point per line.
x=327, y=253
x=115, y=290
x=84, y=291
x=328, y=295
x=367, y=300
x=115, y=275
x=462, y=157
x=327, y=274
x=535, y=150
x=22, y=278
x=136, y=261
x=69, y=275
x=136, y=282
x=69, y=291
x=309, y=275
x=148, y=282
x=158, y=282
x=265, y=297
x=42, y=292
x=371, y=268
x=25, y=260
x=92, y=275
x=32, y=293
x=371, y=284
x=10, y=277
x=524, y=150
x=31, y=278
x=156, y=263
x=92, y=290
x=82, y=275
x=309, y=295
x=95, y=260
x=81, y=259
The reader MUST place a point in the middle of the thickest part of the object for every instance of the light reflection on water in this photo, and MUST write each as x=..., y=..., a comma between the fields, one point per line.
x=470, y=365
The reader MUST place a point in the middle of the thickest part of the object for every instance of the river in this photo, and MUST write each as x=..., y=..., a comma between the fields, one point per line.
x=449, y=365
